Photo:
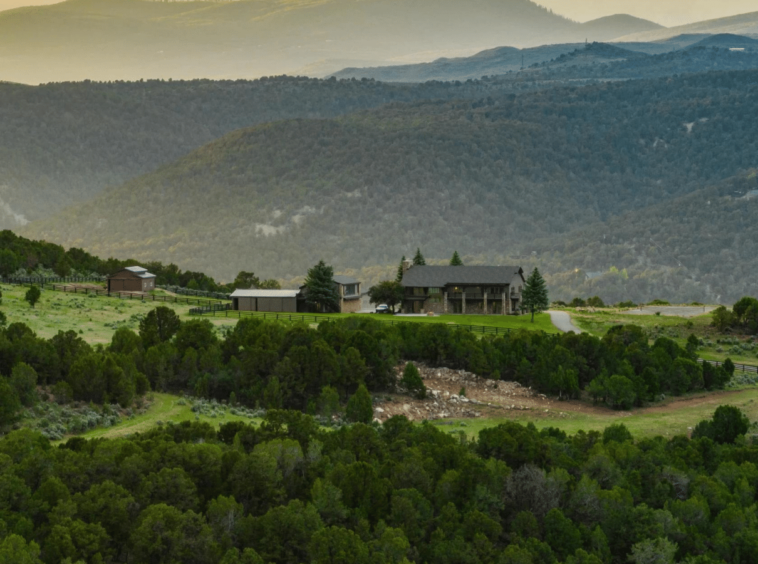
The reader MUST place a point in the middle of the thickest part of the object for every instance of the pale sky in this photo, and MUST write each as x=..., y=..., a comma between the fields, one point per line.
x=664, y=12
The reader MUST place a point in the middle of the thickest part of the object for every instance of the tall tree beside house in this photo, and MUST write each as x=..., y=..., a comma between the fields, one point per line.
x=321, y=292
x=388, y=292
x=534, y=297
x=399, y=277
x=456, y=260
x=418, y=260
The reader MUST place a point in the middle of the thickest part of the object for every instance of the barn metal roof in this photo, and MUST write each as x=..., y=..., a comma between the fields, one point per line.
x=255, y=293
x=136, y=269
x=440, y=276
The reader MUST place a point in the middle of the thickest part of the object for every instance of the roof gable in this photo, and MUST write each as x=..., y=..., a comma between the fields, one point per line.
x=256, y=293
x=440, y=276
x=340, y=279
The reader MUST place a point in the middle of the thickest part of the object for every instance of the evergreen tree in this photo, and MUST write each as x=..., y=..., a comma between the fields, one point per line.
x=33, y=295
x=456, y=260
x=360, y=409
x=535, y=297
x=418, y=260
x=321, y=290
x=412, y=381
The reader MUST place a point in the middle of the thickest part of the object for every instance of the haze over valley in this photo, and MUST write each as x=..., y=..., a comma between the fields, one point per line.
x=544, y=132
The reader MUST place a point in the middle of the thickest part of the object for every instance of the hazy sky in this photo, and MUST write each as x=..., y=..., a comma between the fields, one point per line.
x=665, y=12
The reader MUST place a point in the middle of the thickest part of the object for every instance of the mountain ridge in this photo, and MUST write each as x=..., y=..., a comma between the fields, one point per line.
x=503, y=170
x=134, y=39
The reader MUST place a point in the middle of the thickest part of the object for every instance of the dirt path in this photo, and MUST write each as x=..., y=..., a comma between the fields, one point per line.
x=484, y=399
x=562, y=322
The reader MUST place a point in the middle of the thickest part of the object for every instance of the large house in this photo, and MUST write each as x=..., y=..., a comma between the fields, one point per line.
x=462, y=289
x=131, y=279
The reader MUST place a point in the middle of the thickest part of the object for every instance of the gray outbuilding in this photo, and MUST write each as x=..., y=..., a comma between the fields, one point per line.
x=276, y=301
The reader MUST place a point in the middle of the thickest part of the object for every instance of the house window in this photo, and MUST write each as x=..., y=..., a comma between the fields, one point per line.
x=419, y=292
x=351, y=289
x=435, y=290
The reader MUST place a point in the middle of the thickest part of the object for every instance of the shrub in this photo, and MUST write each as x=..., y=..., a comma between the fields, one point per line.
x=412, y=381
x=359, y=407
x=620, y=392
x=63, y=393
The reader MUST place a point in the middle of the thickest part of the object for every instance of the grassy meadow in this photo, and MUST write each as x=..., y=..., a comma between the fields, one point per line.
x=740, y=348
x=95, y=318
x=676, y=416
x=169, y=408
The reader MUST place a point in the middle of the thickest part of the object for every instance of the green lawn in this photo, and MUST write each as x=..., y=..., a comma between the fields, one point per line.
x=673, y=418
x=541, y=321
x=165, y=408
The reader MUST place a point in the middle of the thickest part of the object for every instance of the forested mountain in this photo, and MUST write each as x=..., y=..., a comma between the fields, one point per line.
x=597, y=61
x=602, y=61
x=63, y=143
x=702, y=246
x=133, y=39
x=480, y=177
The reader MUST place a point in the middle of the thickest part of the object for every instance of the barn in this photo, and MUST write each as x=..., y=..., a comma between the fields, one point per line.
x=131, y=279
x=265, y=300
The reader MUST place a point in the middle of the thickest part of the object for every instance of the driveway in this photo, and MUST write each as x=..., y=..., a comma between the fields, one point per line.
x=562, y=322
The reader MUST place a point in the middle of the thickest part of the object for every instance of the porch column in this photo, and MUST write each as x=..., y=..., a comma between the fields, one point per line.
x=486, y=311
x=444, y=303
x=504, y=307
x=463, y=302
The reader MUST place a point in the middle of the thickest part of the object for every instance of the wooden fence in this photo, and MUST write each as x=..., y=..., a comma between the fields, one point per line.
x=47, y=284
x=737, y=366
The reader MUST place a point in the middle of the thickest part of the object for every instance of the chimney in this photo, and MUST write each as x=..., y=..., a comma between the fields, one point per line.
x=407, y=264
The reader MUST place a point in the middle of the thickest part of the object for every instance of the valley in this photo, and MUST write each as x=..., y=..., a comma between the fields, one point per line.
x=378, y=282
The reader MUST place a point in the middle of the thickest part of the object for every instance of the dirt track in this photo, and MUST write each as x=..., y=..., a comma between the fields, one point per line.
x=502, y=399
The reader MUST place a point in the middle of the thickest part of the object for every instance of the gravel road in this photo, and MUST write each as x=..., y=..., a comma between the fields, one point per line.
x=562, y=322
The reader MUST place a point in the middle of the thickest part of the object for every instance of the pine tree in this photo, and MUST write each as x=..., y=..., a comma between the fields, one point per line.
x=412, y=381
x=535, y=297
x=418, y=260
x=360, y=408
x=399, y=277
x=321, y=290
x=456, y=260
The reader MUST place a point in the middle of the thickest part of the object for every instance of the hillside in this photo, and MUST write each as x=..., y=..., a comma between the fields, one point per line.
x=479, y=177
x=133, y=39
x=743, y=24
x=61, y=144
x=702, y=246
x=573, y=61
x=601, y=61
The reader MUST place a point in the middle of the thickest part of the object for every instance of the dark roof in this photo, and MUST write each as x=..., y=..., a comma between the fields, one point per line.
x=440, y=276
x=339, y=279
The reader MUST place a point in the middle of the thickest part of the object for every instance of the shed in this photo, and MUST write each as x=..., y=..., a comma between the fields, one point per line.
x=265, y=300
x=131, y=279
